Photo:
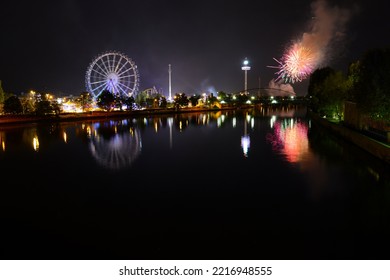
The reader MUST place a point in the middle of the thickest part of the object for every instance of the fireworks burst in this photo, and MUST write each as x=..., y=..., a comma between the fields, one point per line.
x=314, y=49
x=296, y=64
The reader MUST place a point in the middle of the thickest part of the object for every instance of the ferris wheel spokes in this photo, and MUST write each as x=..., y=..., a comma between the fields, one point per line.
x=112, y=71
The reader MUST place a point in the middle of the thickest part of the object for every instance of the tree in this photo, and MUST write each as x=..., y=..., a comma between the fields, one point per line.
x=194, y=99
x=3, y=97
x=119, y=100
x=371, y=83
x=85, y=101
x=141, y=98
x=159, y=100
x=12, y=105
x=28, y=104
x=328, y=89
x=162, y=101
x=56, y=107
x=129, y=101
x=352, y=79
x=2, y=94
x=181, y=99
x=106, y=100
x=44, y=107
x=242, y=98
x=224, y=97
x=314, y=89
x=212, y=100
x=335, y=93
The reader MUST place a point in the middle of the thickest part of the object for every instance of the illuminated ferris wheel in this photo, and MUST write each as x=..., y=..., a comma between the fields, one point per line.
x=112, y=71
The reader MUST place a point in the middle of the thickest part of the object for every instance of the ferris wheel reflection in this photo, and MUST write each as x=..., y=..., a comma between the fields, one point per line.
x=114, y=146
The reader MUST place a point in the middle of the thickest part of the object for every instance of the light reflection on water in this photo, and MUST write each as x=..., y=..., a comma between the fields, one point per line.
x=119, y=151
x=117, y=144
x=185, y=185
x=290, y=138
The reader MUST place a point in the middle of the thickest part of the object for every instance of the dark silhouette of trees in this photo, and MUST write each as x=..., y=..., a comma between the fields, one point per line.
x=44, y=107
x=106, y=100
x=12, y=105
x=181, y=99
x=315, y=88
x=2, y=94
x=225, y=97
x=328, y=90
x=371, y=83
x=194, y=99
x=129, y=101
x=242, y=98
x=3, y=97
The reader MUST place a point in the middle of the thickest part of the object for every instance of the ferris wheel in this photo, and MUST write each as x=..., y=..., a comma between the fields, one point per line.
x=112, y=71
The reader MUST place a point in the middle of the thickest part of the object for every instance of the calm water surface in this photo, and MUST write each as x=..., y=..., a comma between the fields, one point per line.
x=257, y=184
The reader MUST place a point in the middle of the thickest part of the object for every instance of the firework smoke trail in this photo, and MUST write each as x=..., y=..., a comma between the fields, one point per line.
x=310, y=52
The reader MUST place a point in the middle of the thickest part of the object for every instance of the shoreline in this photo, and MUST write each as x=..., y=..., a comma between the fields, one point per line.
x=19, y=119
x=63, y=117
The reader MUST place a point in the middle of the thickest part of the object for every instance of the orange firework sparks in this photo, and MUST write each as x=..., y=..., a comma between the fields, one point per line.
x=296, y=64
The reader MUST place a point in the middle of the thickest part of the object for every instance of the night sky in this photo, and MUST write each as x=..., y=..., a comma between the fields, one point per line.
x=48, y=45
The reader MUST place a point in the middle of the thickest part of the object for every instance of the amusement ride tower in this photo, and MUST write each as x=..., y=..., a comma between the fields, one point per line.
x=246, y=68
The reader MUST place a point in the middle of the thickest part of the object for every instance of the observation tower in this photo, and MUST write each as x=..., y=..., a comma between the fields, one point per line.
x=246, y=68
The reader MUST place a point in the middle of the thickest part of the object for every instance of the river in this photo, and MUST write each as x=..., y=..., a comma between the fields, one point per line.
x=266, y=183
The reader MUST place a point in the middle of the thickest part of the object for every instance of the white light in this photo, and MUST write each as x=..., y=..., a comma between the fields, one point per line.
x=245, y=144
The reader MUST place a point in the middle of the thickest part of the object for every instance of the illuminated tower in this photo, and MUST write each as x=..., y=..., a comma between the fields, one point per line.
x=170, y=83
x=246, y=68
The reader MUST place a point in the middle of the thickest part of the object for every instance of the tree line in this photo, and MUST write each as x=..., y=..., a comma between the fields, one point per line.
x=366, y=83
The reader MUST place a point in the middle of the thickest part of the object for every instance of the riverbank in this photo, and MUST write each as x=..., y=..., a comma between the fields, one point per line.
x=14, y=119
x=377, y=148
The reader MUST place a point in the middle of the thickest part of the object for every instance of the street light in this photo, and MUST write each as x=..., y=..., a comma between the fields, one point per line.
x=246, y=68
